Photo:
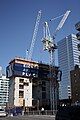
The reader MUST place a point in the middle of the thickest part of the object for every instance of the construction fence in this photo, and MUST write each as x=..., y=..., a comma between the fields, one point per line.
x=39, y=112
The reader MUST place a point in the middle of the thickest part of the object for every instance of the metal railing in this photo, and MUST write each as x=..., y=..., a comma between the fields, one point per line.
x=39, y=112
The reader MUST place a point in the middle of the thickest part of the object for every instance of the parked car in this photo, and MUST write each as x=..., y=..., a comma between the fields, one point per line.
x=2, y=113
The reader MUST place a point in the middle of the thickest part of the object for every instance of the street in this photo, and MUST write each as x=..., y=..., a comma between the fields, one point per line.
x=29, y=117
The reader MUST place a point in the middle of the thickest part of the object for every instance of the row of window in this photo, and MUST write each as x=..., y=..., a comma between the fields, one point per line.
x=21, y=93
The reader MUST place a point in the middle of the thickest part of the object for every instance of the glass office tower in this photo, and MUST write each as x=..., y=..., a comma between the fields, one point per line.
x=68, y=57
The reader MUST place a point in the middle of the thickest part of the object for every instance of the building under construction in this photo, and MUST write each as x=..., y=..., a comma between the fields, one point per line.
x=30, y=86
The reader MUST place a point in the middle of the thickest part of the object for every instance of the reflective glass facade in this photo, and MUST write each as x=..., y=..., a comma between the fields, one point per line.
x=68, y=57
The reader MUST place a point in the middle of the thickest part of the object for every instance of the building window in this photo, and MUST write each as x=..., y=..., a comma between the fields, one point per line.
x=78, y=47
x=79, y=59
x=21, y=80
x=21, y=87
x=38, y=91
x=43, y=95
x=43, y=83
x=76, y=94
x=75, y=81
x=26, y=83
x=75, y=75
x=43, y=88
x=21, y=94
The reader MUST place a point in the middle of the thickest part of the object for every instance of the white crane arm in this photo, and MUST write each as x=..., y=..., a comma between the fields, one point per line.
x=56, y=17
x=34, y=35
x=62, y=20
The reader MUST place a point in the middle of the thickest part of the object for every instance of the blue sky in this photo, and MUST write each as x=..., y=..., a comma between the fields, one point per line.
x=17, y=21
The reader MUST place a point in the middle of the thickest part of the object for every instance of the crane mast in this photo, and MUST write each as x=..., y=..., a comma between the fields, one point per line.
x=34, y=35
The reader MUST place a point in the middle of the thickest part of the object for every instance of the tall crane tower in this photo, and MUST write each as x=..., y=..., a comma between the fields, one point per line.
x=34, y=35
x=48, y=41
x=49, y=44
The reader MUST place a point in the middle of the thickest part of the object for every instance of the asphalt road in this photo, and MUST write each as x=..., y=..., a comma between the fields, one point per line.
x=29, y=117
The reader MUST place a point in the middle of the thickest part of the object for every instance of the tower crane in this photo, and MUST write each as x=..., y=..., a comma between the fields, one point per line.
x=48, y=41
x=49, y=44
x=34, y=35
